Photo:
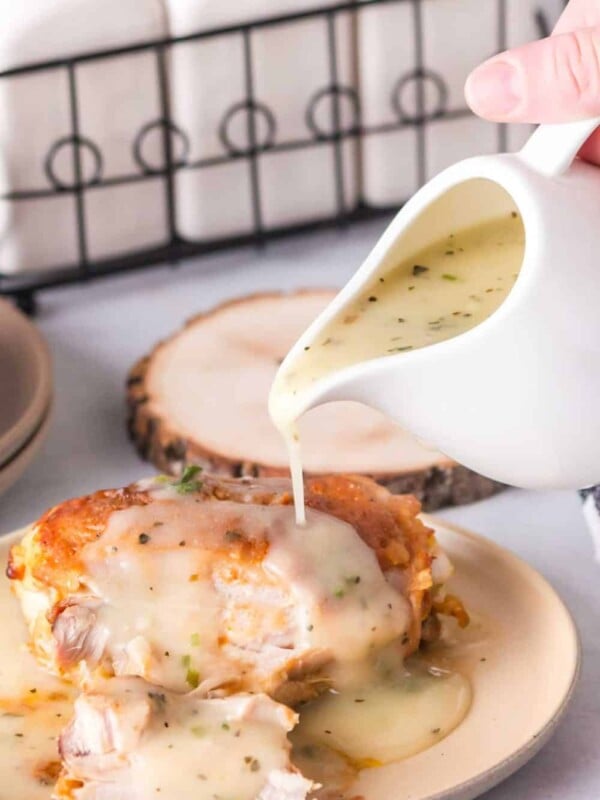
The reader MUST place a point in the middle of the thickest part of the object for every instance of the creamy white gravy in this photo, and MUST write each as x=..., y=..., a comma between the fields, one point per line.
x=384, y=721
x=434, y=294
x=130, y=740
x=394, y=714
x=34, y=708
x=170, y=589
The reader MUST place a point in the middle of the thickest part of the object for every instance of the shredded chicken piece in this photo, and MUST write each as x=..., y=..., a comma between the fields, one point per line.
x=127, y=741
x=206, y=583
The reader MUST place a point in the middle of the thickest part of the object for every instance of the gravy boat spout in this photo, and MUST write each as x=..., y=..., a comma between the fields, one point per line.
x=514, y=397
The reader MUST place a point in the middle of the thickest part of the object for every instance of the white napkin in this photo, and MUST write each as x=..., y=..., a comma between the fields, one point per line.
x=116, y=97
x=591, y=514
x=290, y=66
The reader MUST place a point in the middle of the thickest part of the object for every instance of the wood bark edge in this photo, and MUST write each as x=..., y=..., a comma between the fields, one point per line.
x=156, y=441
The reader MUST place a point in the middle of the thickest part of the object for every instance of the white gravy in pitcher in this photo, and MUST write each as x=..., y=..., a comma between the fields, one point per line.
x=436, y=293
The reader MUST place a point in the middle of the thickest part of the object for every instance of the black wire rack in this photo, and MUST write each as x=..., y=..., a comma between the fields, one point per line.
x=254, y=115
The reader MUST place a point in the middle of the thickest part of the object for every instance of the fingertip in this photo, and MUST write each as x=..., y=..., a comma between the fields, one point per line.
x=494, y=90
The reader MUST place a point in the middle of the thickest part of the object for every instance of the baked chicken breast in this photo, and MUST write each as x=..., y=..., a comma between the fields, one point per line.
x=127, y=741
x=207, y=584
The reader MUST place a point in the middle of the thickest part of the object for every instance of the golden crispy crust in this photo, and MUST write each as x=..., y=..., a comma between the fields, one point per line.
x=390, y=526
x=64, y=530
x=387, y=523
x=49, y=558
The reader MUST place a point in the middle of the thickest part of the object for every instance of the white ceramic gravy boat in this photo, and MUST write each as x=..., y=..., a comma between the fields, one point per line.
x=517, y=397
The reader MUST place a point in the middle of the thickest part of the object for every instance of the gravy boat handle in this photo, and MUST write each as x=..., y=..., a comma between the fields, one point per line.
x=550, y=149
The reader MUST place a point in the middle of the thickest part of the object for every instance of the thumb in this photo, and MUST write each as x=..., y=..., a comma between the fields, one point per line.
x=553, y=80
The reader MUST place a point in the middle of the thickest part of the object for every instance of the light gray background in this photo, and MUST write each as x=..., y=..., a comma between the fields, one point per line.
x=97, y=331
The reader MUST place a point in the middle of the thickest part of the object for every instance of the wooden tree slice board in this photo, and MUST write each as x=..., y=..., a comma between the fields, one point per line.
x=201, y=397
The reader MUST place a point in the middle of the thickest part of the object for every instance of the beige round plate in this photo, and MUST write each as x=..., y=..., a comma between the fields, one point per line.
x=521, y=689
x=520, y=692
x=11, y=471
x=25, y=380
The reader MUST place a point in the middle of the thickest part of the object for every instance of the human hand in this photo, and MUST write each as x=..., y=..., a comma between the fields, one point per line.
x=553, y=80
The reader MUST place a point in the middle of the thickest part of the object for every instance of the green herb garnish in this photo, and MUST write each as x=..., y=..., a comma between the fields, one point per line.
x=418, y=269
x=198, y=731
x=195, y=640
x=143, y=538
x=447, y=276
x=233, y=536
x=192, y=678
x=187, y=483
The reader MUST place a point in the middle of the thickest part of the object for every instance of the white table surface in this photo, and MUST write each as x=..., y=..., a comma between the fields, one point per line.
x=97, y=331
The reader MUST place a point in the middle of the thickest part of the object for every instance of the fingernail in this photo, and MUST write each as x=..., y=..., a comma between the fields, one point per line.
x=494, y=89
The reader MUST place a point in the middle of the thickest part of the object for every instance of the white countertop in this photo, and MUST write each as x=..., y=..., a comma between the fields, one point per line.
x=97, y=331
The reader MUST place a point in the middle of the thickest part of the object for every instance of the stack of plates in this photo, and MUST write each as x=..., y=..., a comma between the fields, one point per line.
x=25, y=393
